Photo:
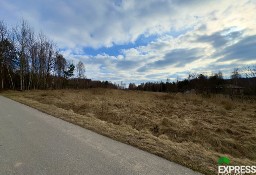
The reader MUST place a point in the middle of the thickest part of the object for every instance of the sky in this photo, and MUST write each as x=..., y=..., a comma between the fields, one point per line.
x=138, y=41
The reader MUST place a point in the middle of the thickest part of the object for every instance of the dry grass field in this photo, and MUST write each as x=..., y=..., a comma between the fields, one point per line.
x=185, y=128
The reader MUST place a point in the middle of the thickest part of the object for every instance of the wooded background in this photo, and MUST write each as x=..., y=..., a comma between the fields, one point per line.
x=32, y=61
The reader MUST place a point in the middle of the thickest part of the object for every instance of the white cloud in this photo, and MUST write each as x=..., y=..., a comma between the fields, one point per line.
x=102, y=23
x=177, y=24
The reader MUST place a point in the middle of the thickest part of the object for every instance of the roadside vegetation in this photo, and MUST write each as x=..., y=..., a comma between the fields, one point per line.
x=192, y=130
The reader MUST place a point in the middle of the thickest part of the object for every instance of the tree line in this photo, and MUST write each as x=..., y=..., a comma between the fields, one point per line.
x=243, y=78
x=32, y=61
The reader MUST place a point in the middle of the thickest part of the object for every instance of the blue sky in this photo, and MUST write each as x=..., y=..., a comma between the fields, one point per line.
x=138, y=41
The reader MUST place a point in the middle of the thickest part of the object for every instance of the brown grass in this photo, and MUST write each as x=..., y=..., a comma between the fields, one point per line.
x=185, y=128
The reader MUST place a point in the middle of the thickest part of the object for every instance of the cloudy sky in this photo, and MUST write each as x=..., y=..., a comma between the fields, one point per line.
x=150, y=40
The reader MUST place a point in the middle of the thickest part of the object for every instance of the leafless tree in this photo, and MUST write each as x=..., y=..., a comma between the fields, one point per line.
x=80, y=69
x=235, y=76
x=22, y=46
x=3, y=36
x=249, y=72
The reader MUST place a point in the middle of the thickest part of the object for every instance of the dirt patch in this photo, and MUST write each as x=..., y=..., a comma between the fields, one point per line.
x=186, y=128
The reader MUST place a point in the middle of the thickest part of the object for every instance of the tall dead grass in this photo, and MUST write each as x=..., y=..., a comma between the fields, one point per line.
x=186, y=128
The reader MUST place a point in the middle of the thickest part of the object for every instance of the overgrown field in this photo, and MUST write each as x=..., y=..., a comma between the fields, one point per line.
x=186, y=128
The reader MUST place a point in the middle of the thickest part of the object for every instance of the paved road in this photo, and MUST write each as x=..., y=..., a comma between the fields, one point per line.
x=32, y=142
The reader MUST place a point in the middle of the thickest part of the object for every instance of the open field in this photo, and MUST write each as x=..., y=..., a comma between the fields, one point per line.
x=185, y=128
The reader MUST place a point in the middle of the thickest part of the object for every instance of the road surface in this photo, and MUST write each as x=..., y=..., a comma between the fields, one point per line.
x=32, y=142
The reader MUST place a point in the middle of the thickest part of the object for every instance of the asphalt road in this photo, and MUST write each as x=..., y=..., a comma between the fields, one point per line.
x=35, y=143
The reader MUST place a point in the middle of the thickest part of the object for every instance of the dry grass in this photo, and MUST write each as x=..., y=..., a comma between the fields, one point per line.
x=185, y=128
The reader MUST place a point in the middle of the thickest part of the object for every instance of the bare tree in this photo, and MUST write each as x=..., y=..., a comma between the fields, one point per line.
x=3, y=36
x=80, y=69
x=49, y=62
x=32, y=45
x=249, y=72
x=60, y=64
x=235, y=76
x=42, y=56
x=22, y=45
x=59, y=69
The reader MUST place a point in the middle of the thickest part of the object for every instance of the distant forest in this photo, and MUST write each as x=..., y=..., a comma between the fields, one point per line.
x=241, y=82
x=32, y=61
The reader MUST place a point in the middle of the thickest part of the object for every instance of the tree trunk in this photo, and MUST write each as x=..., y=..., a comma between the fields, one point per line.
x=2, y=77
x=10, y=78
x=21, y=82
x=2, y=81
